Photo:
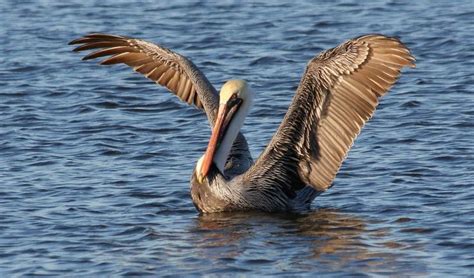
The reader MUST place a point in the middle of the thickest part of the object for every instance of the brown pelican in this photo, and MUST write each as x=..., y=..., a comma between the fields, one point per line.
x=337, y=94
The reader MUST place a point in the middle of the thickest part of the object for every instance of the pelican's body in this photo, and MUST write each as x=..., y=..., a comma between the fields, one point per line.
x=218, y=193
x=217, y=187
x=338, y=93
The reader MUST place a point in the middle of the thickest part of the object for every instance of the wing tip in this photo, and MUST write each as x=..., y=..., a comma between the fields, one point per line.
x=76, y=41
x=94, y=37
x=411, y=59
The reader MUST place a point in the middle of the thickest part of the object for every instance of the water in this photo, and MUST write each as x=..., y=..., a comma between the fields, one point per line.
x=95, y=161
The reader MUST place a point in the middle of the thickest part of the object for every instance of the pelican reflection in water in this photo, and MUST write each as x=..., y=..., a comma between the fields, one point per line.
x=338, y=93
x=333, y=239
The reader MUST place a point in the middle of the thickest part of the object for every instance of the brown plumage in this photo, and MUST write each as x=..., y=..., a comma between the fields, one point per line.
x=338, y=93
x=157, y=63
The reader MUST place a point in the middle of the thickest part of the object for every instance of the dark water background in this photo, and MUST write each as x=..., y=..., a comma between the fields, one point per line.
x=95, y=161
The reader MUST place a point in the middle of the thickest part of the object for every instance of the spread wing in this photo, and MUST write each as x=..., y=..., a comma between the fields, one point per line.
x=163, y=66
x=169, y=69
x=337, y=95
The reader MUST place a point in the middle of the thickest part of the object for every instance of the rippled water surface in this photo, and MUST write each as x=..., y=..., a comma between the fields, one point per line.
x=95, y=161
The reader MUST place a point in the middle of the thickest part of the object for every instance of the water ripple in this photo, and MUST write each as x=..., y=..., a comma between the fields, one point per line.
x=95, y=161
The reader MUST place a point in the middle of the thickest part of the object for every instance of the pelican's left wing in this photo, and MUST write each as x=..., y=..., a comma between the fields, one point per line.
x=165, y=67
x=338, y=93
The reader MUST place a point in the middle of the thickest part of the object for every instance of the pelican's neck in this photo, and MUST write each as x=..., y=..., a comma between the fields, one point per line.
x=223, y=151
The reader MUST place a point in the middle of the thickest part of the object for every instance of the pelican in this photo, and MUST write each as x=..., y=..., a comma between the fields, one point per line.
x=338, y=93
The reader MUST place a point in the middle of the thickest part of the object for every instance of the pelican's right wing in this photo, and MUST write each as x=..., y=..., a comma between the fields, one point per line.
x=337, y=95
x=165, y=67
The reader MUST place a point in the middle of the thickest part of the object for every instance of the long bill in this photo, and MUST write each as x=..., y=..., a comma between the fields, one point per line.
x=224, y=116
x=214, y=141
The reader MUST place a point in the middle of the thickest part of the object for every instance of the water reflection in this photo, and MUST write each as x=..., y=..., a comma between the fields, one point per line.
x=330, y=237
x=332, y=231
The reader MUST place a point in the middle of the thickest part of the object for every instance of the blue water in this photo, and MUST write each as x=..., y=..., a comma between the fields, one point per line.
x=95, y=161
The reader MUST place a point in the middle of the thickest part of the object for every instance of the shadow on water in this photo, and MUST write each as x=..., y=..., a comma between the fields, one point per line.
x=329, y=237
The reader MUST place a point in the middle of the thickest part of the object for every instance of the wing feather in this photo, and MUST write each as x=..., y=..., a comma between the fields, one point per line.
x=337, y=95
x=165, y=67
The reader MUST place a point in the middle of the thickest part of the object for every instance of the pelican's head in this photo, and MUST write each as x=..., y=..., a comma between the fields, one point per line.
x=235, y=99
x=237, y=88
